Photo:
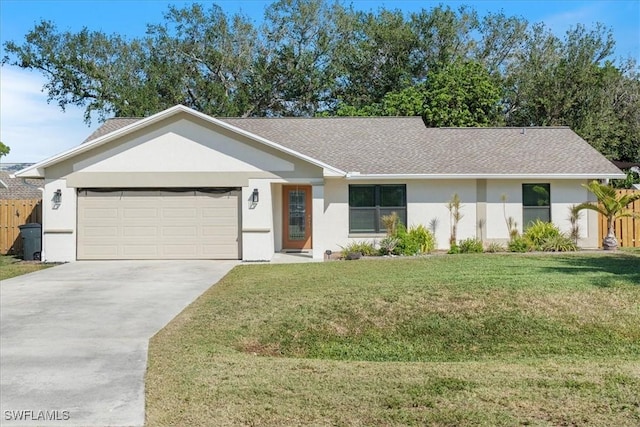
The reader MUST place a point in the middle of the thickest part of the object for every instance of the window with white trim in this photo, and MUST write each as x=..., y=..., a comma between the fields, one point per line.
x=536, y=203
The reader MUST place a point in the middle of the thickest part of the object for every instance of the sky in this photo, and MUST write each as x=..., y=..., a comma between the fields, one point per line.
x=36, y=130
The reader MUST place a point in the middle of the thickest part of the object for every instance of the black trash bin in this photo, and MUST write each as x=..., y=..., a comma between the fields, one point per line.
x=31, y=241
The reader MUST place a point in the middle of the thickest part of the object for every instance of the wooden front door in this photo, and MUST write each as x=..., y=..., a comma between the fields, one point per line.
x=296, y=216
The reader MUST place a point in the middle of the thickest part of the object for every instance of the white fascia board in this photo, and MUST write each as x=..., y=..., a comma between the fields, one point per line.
x=37, y=170
x=357, y=176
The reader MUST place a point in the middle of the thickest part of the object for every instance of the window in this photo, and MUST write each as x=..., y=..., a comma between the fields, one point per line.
x=536, y=203
x=369, y=203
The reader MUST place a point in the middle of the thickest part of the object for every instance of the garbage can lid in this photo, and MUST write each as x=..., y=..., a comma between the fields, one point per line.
x=30, y=225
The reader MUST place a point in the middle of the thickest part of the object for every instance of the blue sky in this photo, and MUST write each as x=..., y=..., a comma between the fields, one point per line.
x=36, y=130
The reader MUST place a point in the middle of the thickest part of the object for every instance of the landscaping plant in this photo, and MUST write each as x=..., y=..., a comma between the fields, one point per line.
x=612, y=206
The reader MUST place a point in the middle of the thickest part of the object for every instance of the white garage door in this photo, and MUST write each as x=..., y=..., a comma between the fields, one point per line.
x=151, y=224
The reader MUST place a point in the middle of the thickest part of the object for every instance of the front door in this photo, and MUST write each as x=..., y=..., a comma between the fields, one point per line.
x=296, y=216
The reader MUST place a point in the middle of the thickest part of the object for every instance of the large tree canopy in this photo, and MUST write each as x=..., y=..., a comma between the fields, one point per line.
x=320, y=57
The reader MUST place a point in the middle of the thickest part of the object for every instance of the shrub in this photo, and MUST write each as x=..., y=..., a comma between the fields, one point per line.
x=454, y=249
x=471, y=246
x=494, y=247
x=559, y=243
x=388, y=245
x=519, y=244
x=423, y=238
x=414, y=241
x=539, y=231
x=363, y=248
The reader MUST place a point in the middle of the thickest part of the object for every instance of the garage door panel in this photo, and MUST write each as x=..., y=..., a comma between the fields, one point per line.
x=139, y=231
x=140, y=251
x=179, y=213
x=145, y=213
x=127, y=224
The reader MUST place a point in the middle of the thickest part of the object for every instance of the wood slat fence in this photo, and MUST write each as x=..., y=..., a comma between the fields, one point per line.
x=14, y=213
x=627, y=229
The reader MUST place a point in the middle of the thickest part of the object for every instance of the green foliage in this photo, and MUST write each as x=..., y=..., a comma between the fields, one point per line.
x=416, y=240
x=519, y=244
x=494, y=247
x=631, y=179
x=423, y=238
x=539, y=231
x=4, y=150
x=454, y=249
x=388, y=245
x=461, y=94
x=559, y=243
x=471, y=245
x=318, y=57
x=611, y=205
x=362, y=247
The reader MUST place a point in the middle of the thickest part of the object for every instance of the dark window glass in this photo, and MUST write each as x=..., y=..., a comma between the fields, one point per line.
x=536, y=203
x=369, y=203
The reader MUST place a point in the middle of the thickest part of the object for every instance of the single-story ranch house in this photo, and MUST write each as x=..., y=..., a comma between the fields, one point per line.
x=183, y=185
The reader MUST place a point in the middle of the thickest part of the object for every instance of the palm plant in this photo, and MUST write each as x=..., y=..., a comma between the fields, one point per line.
x=612, y=205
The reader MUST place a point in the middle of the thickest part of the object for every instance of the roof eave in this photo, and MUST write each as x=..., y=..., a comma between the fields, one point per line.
x=357, y=176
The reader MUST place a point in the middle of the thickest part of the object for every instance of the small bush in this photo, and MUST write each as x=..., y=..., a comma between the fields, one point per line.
x=494, y=247
x=388, y=245
x=519, y=244
x=414, y=241
x=560, y=243
x=469, y=246
x=539, y=231
x=363, y=248
x=423, y=238
x=454, y=249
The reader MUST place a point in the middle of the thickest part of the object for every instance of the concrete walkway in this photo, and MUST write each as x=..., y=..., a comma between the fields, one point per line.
x=74, y=338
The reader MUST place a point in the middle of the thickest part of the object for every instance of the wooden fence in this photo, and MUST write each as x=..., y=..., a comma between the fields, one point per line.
x=14, y=213
x=627, y=229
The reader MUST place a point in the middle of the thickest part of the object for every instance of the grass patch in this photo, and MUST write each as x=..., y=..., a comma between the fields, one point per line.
x=474, y=340
x=12, y=267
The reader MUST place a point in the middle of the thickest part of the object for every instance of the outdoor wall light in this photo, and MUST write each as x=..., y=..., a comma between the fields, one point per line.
x=255, y=196
x=57, y=197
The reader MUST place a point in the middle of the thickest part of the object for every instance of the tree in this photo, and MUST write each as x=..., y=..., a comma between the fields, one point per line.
x=612, y=205
x=4, y=150
x=461, y=94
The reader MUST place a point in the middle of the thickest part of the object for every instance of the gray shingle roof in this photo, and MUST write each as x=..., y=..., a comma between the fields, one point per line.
x=20, y=188
x=111, y=125
x=403, y=145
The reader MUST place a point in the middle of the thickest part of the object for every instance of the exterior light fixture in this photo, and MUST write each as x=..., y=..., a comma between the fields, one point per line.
x=255, y=196
x=57, y=197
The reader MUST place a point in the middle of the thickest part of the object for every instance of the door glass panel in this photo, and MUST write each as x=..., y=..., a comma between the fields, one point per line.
x=297, y=210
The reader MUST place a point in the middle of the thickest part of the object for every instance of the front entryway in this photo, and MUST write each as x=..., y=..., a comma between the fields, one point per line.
x=297, y=217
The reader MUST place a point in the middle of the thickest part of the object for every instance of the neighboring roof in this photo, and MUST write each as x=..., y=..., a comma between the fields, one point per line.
x=403, y=146
x=19, y=188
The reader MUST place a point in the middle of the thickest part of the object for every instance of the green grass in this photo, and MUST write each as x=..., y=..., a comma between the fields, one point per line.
x=12, y=267
x=445, y=340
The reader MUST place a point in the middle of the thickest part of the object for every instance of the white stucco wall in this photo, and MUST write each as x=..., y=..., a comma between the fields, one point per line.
x=257, y=222
x=58, y=222
x=564, y=194
x=427, y=200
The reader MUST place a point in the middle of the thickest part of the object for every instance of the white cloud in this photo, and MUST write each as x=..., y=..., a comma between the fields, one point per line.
x=34, y=129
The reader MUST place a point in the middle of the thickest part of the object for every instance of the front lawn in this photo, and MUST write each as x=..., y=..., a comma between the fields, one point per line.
x=494, y=339
x=12, y=267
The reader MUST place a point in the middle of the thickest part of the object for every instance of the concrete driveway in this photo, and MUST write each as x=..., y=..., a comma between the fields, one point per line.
x=74, y=338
